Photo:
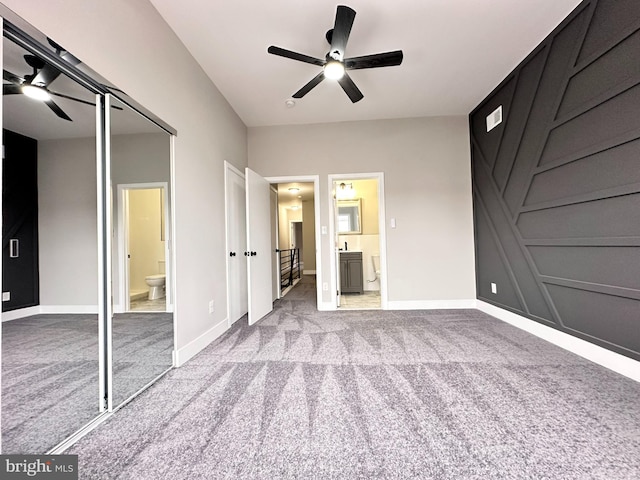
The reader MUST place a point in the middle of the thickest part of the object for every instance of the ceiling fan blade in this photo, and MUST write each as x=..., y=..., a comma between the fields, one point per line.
x=295, y=56
x=307, y=88
x=62, y=95
x=386, y=59
x=341, y=31
x=12, y=77
x=11, y=89
x=45, y=76
x=350, y=88
x=57, y=110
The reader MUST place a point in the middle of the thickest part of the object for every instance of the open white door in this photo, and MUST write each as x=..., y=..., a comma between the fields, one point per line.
x=336, y=249
x=258, y=246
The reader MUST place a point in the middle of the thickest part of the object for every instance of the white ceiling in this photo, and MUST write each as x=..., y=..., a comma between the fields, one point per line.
x=290, y=198
x=455, y=53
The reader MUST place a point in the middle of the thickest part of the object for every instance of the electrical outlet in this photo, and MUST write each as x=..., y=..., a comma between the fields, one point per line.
x=494, y=288
x=325, y=287
x=212, y=306
x=6, y=296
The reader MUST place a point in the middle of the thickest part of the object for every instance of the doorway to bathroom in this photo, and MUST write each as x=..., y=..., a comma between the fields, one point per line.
x=358, y=232
x=143, y=248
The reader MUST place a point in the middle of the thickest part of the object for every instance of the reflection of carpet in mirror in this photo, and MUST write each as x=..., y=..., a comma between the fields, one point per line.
x=50, y=372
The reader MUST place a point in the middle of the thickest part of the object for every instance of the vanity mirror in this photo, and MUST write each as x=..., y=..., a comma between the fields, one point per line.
x=73, y=345
x=349, y=217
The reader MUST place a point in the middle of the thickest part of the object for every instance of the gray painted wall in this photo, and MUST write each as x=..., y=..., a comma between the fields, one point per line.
x=427, y=188
x=557, y=184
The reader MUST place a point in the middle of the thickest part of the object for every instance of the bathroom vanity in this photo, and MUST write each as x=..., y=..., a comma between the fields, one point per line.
x=351, y=278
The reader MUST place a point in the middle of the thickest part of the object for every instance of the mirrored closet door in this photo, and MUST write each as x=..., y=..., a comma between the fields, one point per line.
x=142, y=323
x=50, y=350
x=87, y=318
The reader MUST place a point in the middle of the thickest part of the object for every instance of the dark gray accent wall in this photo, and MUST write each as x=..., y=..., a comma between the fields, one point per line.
x=557, y=183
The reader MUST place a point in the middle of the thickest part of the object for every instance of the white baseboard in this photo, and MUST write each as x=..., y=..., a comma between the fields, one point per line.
x=308, y=272
x=48, y=309
x=69, y=309
x=430, y=304
x=326, y=307
x=606, y=358
x=21, y=313
x=191, y=349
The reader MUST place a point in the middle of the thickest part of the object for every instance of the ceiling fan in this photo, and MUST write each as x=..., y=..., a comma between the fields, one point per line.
x=36, y=84
x=334, y=66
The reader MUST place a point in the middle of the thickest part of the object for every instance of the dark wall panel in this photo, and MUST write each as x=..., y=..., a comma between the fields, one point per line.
x=610, y=217
x=591, y=313
x=516, y=121
x=20, y=276
x=605, y=76
x=557, y=185
x=612, y=266
x=606, y=170
x=596, y=129
x=560, y=59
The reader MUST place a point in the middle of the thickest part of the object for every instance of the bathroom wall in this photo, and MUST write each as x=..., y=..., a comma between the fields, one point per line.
x=145, y=245
x=369, y=241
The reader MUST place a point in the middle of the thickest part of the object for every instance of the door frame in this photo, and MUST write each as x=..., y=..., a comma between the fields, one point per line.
x=124, y=303
x=382, y=232
x=315, y=179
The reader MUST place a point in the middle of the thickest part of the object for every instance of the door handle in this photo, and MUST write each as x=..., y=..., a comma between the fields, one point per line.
x=14, y=248
x=232, y=254
x=253, y=254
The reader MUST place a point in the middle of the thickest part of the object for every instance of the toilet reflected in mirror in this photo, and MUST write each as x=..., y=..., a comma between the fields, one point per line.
x=143, y=240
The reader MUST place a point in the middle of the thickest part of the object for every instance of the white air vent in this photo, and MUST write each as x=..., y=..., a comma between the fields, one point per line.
x=494, y=118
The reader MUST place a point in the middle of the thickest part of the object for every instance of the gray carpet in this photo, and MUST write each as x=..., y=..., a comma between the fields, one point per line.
x=374, y=394
x=50, y=372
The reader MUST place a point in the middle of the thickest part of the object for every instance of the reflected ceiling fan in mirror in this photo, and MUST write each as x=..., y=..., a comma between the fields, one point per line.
x=36, y=84
x=335, y=66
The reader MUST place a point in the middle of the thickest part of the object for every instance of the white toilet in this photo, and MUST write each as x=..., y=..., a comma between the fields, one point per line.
x=156, y=282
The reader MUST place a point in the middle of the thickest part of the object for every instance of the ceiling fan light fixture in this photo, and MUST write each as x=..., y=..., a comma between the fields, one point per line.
x=334, y=70
x=35, y=92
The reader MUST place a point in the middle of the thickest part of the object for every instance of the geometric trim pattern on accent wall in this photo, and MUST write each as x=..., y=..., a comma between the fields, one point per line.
x=557, y=183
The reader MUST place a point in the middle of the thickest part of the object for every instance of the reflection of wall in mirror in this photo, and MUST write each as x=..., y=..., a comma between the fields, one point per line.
x=138, y=158
x=67, y=203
